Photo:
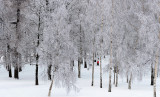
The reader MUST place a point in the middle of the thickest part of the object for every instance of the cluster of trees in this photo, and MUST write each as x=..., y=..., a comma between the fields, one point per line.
x=56, y=33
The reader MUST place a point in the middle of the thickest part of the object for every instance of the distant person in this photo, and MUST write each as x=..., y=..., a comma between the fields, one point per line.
x=98, y=63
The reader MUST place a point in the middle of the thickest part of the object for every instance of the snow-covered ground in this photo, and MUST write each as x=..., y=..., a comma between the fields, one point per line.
x=24, y=87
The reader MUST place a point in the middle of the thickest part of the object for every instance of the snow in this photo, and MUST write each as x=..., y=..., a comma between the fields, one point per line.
x=24, y=87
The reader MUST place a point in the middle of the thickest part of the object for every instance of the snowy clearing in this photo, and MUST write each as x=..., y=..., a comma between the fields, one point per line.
x=24, y=87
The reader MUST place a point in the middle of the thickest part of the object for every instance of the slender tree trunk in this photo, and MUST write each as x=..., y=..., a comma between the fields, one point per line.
x=79, y=68
x=152, y=75
x=36, y=75
x=117, y=71
x=16, y=65
x=110, y=86
x=85, y=62
x=130, y=81
x=155, y=74
x=110, y=69
x=100, y=72
x=50, y=88
x=19, y=62
x=49, y=72
x=9, y=68
x=30, y=59
x=71, y=64
x=110, y=65
x=127, y=77
x=10, y=72
x=114, y=71
x=93, y=72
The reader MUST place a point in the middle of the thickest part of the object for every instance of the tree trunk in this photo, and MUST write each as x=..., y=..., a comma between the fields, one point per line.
x=16, y=64
x=100, y=72
x=130, y=81
x=85, y=62
x=127, y=77
x=110, y=86
x=50, y=88
x=49, y=72
x=93, y=72
x=114, y=71
x=110, y=69
x=71, y=64
x=152, y=75
x=155, y=74
x=7, y=60
x=117, y=71
x=30, y=59
x=36, y=75
x=10, y=72
x=79, y=68
x=16, y=73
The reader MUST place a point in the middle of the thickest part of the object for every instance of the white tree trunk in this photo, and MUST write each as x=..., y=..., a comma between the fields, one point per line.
x=155, y=75
x=50, y=88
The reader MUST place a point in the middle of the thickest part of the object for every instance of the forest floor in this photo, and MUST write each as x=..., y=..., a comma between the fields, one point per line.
x=24, y=87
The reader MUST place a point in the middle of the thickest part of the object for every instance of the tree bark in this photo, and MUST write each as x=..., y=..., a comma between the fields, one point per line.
x=36, y=75
x=93, y=72
x=110, y=86
x=117, y=71
x=155, y=74
x=152, y=75
x=49, y=72
x=71, y=64
x=8, y=62
x=130, y=81
x=114, y=71
x=127, y=77
x=16, y=73
x=100, y=72
x=16, y=64
x=50, y=88
x=85, y=61
x=10, y=72
x=79, y=68
x=110, y=69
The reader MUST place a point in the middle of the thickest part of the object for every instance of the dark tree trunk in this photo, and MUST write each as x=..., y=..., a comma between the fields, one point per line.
x=130, y=81
x=85, y=64
x=36, y=83
x=73, y=62
x=16, y=73
x=152, y=75
x=36, y=76
x=79, y=68
x=100, y=73
x=93, y=72
x=10, y=72
x=117, y=71
x=49, y=72
x=127, y=77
